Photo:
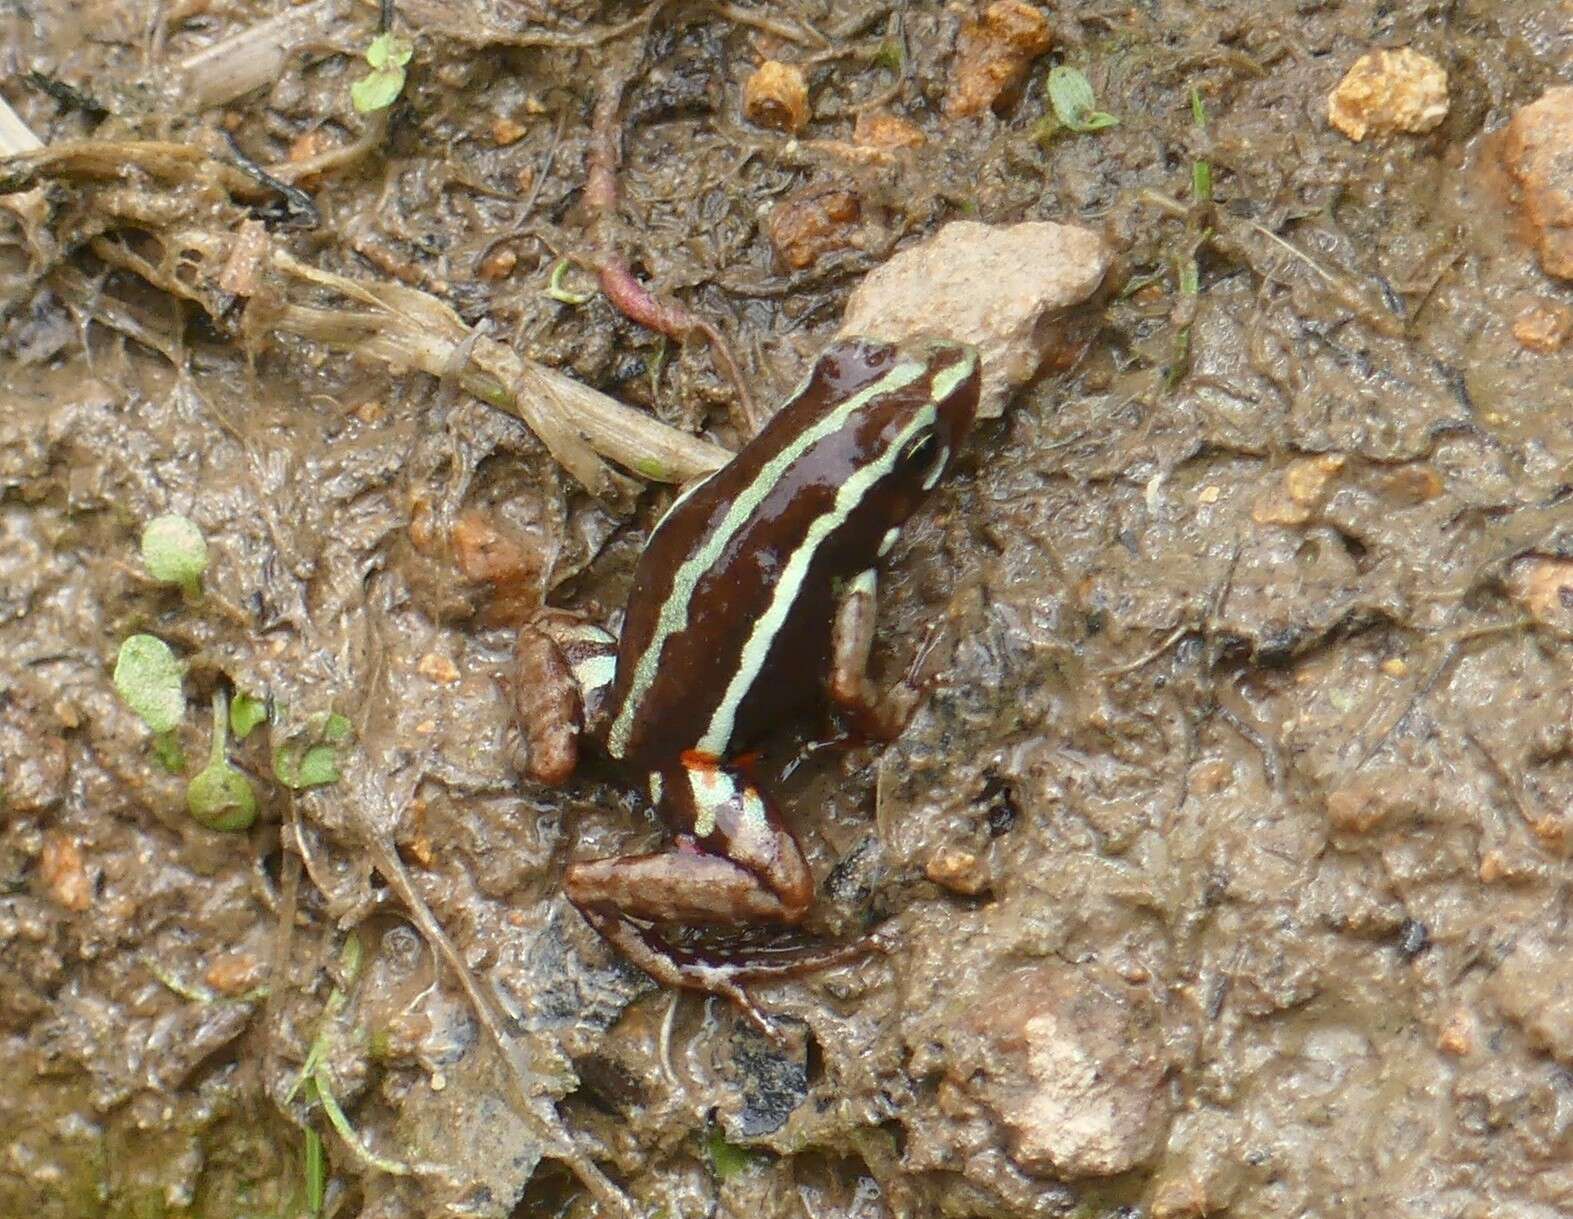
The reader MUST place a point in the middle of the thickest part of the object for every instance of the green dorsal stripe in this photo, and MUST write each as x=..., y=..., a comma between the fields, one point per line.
x=718, y=737
x=673, y=617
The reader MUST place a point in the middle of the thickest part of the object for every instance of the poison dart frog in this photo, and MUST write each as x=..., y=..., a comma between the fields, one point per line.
x=755, y=591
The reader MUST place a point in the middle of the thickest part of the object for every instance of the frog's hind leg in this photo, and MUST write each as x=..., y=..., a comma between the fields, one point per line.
x=737, y=865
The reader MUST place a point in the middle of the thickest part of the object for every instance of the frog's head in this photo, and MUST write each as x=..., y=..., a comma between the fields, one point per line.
x=910, y=407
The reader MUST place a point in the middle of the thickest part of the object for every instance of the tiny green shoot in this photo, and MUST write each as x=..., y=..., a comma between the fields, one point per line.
x=175, y=553
x=891, y=56
x=245, y=713
x=219, y=796
x=316, y=1173
x=313, y=762
x=727, y=1159
x=1201, y=169
x=555, y=289
x=387, y=55
x=149, y=678
x=1070, y=93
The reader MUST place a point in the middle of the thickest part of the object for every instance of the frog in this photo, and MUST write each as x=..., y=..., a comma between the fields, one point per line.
x=754, y=594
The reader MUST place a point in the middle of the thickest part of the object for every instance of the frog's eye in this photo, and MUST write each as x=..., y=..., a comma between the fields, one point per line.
x=920, y=450
x=925, y=452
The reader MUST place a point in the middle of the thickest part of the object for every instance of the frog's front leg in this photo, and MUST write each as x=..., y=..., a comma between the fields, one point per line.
x=563, y=671
x=873, y=716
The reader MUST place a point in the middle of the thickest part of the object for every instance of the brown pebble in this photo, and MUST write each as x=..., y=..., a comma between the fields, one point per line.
x=499, y=264
x=879, y=129
x=1458, y=1034
x=776, y=96
x=1543, y=327
x=957, y=870
x=1353, y=809
x=434, y=666
x=64, y=874
x=811, y=223
x=423, y=526
x=507, y=131
x=993, y=53
x=234, y=973
x=1306, y=478
x=1411, y=485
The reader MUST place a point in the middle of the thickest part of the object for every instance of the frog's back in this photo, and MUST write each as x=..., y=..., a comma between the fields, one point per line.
x=728, y=624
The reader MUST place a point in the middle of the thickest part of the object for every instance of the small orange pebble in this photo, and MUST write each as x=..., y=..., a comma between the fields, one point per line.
x=434, y=666
x=776, y=95
x=499, y=264
x=64, y=873
x=507, y=131
x=811, y=223
x=993, y=53
x=879, y=129
x=1458, y=1034
x=1306, y=478
x=233, y=973
x=1395, y=666
x=957, y=870
x=1543, y=327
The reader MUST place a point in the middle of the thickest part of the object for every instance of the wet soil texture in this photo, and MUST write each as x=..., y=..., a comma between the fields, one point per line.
x=1226, y=867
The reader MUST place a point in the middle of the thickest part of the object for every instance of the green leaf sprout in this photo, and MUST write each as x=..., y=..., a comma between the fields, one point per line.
x=220, y=797
x=148, y=677
x=175, y=552
x=387, y=55
x=315, y=761
x=1070, y=93
x=727, y=1159
x=556, y=290
x=245, y=713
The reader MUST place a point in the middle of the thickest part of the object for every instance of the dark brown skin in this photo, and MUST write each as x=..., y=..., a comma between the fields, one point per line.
x=754, y=594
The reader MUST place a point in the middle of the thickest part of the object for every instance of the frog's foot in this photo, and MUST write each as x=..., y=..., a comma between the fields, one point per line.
x=563, y=668
x=872, y=716
x=673, y=966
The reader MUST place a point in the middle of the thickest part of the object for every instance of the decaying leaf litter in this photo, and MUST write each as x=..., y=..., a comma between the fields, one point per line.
x=1236, y=824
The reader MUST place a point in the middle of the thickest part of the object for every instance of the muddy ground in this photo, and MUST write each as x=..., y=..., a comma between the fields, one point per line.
x=1227, y=864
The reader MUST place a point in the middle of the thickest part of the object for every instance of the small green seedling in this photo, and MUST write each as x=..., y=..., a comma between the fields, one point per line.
x=387, y=55
x=560, y=294
x=315, y=761
x=1070, y=93
x=727, y=1159
x=175, y=553
x=1201, y=170
x=245, y=713
x=149, y=678
x=220, y=797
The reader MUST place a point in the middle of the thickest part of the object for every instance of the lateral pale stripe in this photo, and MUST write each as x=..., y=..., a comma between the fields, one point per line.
x=673, y=617
x=718, y=736
x=946, y=380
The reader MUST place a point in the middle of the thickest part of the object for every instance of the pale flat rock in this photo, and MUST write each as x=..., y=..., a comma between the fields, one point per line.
x=1071, y=1061
x=1005, y=289
x=1388, y=91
